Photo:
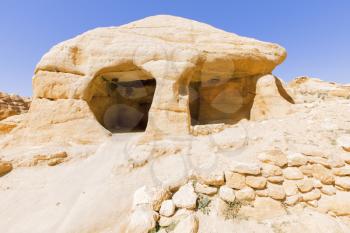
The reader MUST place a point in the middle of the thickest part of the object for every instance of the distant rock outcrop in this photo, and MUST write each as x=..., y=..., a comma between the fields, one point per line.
x=12, y=105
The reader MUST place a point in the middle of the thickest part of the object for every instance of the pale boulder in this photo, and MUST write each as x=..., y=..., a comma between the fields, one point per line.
x=187, y=225
x=256, y=182
x=276, y=191
x=246, y=168
x=245, y=194
x=305, y=185
x=292, y=200
x=275, y=179
x=185, y=197
x=323, y=174
x=343, y=171
x=296, y=159
x=343, y=182
x=270, y=170
x=152, y=196
x=205, y=189
x=292, y=173
x=290, y=187
x=227, y=194
x=276, y=157
x=142, y=220
x=167, y=208
x=328, y=190
x=311, y=196
x=235, y=180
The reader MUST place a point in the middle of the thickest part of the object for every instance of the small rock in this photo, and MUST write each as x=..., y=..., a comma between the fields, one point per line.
x=343, y=182
x=5, y=167
x=270, y=170
x=142, y=220
x=296, y=159
x=205, y=189
x=292, y=173
x=187, y=225
x=256, y=182
x=244, y=168
x=343, y=171
x=275, y=179
x=167, y=208
x=311, y=196
x=276, y=191
x=337, y=162
x=276, y=157
x=165, y=221
x=318, y=160
x=323, y=174
x=307, y=170
x=262, y=193
x=329, y=190
x=227, y=194
x=55, y=161
x=185, y=197
x=245, y=194
x=213, y=178
x=153, y=196
x=305, y=185
x=290, y=187
x=235, y=180
x=292, y=200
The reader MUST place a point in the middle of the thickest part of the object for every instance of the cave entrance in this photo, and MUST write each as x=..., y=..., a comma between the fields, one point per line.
x=122, y=100
x=221, y=100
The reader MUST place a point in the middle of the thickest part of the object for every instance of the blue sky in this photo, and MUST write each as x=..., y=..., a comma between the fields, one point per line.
x=316, y=33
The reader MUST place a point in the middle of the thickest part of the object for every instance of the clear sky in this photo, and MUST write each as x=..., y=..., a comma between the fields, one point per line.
x=316, y=33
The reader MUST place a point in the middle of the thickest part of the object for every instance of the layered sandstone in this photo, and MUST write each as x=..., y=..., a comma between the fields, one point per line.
x=162, y=74
x=12, y=105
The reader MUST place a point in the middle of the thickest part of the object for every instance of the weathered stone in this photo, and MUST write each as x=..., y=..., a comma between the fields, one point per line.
x=165, y=221
x=292, y=173
x=290, y=187
x=305, y=185
x=296, y=159
x=227, y=194
x=262, y=193
x=275, y=179
x=307, y=170
x=311, y=196
x=319, y=160
x=276, y=157
x=245, y=168
x=328, y=190
x=276, y=191
x=167, y=208
x=212, y=178
x=292, y=200
x=142, y=220
x=205, y=189
x=5, y=167
x=245, y=194
x=185, y=197
x=343, y=171
x=343, y=182
x=323, y=174
x=270, y=170
x=235, y=180
x=11, y=105
x=187, y=225
x=256, y=182
x=153, y=196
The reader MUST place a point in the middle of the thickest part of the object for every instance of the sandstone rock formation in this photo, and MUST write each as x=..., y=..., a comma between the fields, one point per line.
x=12, y=105
x=169, y=74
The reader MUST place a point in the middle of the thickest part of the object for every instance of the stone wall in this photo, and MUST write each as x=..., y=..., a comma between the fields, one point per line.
x=290, y=179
